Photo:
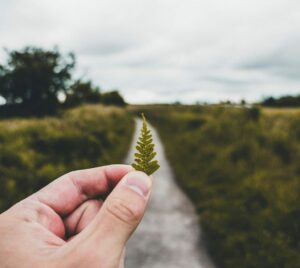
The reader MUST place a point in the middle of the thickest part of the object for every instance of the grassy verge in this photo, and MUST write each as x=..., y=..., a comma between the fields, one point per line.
x=35, y=151
x=241, y=169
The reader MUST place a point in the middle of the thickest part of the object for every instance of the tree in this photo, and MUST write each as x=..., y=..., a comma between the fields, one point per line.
x=243, y=102
x=82, y=92
x=34, y=78
x=113, y=98
x=269, y=101
x=284, y=101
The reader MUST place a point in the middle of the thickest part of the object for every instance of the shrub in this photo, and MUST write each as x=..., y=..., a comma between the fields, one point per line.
x=240, y=167
x=36, y=151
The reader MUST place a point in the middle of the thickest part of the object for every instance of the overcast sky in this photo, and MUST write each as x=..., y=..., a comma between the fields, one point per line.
x=168, y=50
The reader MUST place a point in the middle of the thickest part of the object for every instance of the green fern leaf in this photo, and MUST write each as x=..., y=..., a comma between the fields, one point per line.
x=145, y=151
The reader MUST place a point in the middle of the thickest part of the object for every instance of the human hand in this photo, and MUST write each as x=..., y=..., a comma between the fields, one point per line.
x=65, y=225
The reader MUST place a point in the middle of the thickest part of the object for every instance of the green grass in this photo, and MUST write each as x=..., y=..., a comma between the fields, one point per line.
x=241, y=169
x=281, y=111
x=35, y=151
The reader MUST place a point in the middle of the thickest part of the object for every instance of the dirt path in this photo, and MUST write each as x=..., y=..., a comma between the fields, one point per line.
x=168, y=236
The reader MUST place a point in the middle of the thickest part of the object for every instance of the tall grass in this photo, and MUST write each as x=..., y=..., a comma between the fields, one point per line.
x=35, y=151
x=241, y=169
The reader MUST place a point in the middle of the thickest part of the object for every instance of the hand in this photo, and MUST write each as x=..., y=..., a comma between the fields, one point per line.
x=65, y=225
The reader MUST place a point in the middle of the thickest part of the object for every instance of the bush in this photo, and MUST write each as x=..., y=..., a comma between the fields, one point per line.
x=240, y=167
x=82, y=92
x=113, y=98
x=36, y=151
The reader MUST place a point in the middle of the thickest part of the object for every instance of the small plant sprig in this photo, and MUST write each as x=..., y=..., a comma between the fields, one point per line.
x=145, y=151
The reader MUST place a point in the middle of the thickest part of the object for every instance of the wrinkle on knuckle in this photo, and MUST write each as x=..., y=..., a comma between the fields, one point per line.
x=72, y=177
x=32, y=210
x=123, y=211
x=29, y=210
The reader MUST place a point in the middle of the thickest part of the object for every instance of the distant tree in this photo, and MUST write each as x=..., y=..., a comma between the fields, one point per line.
x=33, y=78
x=243, y=102
x=285, y=101
x=269, y=101
x=82, y=92
x=113, y=98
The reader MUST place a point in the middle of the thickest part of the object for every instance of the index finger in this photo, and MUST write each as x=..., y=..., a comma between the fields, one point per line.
x=68, y=191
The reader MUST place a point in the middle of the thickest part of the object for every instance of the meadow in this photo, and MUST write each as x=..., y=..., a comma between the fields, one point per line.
x=240, y=167
x=34, y=151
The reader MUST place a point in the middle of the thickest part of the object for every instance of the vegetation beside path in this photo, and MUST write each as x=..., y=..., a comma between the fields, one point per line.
x=241, y=169
x=37, y=150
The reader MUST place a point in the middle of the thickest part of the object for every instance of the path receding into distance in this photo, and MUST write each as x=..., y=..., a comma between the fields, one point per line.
x=168, y=236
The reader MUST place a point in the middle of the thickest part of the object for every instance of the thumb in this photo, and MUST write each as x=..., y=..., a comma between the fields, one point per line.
x=118, y=217
x=124, y=208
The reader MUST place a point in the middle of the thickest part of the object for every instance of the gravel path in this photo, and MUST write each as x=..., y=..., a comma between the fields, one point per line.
x=168, y=236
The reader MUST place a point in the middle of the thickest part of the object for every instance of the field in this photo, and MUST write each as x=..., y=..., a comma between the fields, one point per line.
x=240, y=167
x=35, y=151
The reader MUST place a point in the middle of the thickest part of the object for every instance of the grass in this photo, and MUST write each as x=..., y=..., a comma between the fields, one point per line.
x=281, y=111
x=240, y=167
x=35, y=151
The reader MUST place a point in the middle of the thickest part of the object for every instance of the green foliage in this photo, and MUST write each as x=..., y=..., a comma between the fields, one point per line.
x=112, y=98
x=82, y=92
x=285, y=101
x=240, y=167
x=33, y=152
x=33, y=79
x=145, y=155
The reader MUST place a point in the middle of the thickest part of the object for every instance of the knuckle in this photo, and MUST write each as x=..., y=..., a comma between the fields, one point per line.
x=124, y=211
x=29, y=210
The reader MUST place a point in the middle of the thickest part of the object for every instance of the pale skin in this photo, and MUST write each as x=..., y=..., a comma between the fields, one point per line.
x=65, y=224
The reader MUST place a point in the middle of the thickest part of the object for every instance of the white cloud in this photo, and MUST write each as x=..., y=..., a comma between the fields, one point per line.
x=168, y=50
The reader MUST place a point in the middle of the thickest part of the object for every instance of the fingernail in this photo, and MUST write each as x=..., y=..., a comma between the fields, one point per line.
x=139, y=182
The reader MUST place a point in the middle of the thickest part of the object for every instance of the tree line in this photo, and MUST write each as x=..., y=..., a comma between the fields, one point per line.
x=35, y=81
x=285, y=101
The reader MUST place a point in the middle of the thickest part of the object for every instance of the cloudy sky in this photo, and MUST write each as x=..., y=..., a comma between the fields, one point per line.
x=168, y=50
